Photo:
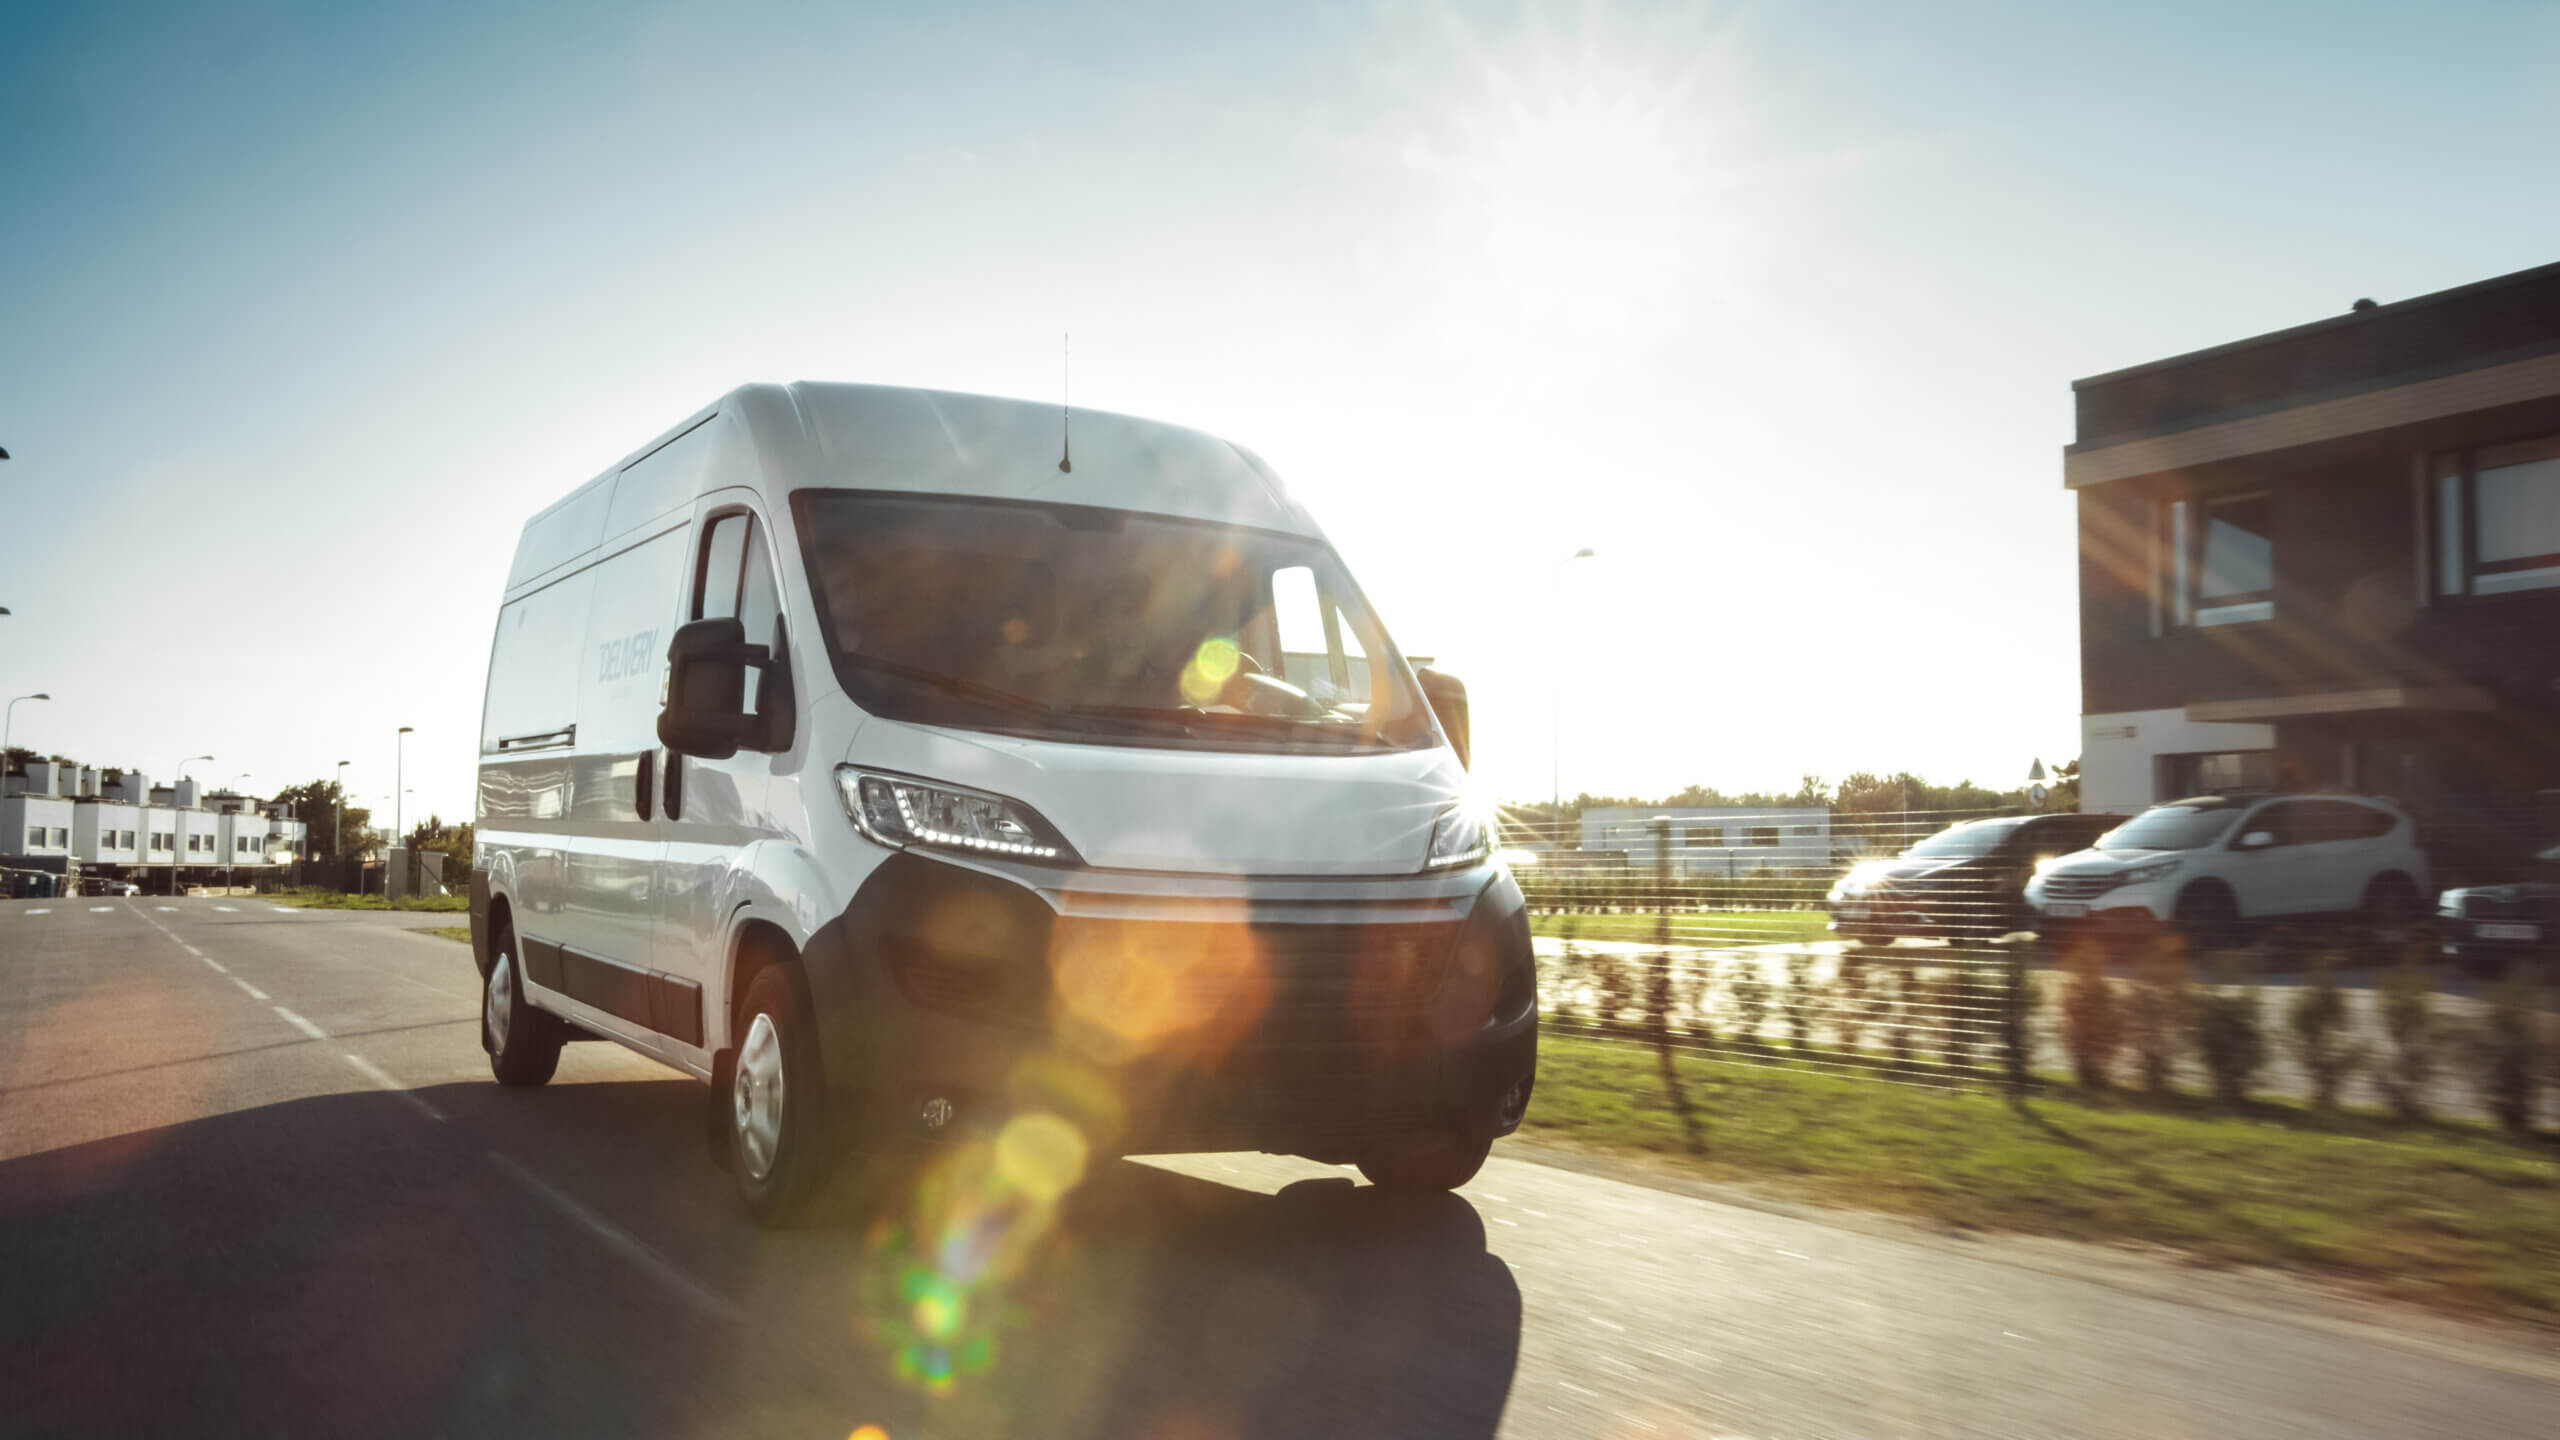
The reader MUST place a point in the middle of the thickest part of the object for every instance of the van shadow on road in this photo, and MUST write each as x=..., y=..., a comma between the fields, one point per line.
x=340, y=1265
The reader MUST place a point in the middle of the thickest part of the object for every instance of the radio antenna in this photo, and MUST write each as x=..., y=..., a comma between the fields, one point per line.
x=1066, y=462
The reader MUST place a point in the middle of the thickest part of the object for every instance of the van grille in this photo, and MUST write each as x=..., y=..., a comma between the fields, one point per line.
x=1273, y=985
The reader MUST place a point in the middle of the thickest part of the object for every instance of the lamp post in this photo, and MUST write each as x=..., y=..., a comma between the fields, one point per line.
x=400, y=757
x=338, y=815
x=1555, y=728
x=10, y=717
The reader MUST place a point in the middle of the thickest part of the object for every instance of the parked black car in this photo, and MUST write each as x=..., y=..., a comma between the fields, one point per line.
x=2486, y=928
x=1968, y=881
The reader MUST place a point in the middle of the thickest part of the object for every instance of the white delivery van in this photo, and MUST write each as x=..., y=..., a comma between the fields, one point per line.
x=849, y=749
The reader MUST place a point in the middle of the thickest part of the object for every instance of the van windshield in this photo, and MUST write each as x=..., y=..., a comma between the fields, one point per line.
x=1080, y=622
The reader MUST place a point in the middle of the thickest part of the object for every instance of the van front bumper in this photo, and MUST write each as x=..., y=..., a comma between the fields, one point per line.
x=1310, y=1017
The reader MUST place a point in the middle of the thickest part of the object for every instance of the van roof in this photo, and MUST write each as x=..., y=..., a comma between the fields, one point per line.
x=828, y=435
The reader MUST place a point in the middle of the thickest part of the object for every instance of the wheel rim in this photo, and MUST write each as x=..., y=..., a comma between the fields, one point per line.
x=756, y=1098
x=498, y=1009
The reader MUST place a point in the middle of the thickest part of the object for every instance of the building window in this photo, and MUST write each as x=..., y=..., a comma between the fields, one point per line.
x=2235, y=570
x=2220, y=772
x=2514, y=505
x=1761, y=835
x=1807, y=831
x=1703, y=837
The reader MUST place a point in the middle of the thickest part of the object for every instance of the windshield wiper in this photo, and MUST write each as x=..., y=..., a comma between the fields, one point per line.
x=954, y=685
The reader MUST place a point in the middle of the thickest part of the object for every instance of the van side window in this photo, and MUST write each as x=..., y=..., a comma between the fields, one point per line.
x=735, y=580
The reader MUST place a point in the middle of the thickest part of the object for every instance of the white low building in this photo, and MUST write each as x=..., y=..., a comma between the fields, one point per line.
x=125, y=827
x=1714, y=839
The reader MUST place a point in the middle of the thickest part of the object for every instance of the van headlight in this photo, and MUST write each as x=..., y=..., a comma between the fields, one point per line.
x=2147, y=872
x=904, y=813
x=1461, y=836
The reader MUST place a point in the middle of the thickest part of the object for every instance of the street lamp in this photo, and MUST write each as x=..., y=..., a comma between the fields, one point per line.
x=400, y=746
x=10, y=717
x=1555, y=729
x=338, y=816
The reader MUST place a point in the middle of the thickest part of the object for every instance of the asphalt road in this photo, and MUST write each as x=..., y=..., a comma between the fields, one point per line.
x=254, y=1179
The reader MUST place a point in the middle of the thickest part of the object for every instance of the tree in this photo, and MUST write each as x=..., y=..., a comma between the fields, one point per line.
x=325, y=831
x=451, y=841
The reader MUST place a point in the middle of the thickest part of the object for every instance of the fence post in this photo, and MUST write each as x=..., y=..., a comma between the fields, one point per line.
x=1657, y=999
x=2014, y=1007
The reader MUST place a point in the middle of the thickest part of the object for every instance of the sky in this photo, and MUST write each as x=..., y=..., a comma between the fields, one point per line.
x=1775, y=307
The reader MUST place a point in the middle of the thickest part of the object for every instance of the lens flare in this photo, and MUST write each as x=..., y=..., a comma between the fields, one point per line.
x=1041, y=1155
x=1212, y=666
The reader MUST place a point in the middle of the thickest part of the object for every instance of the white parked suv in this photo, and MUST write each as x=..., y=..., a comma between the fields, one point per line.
x=2213, y=865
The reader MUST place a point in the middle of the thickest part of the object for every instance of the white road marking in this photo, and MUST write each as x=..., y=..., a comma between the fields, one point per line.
x=218, y=967
x=254, y=992
x=1541, y=1214
x=102, y=909
x=228, y=909
x=298, y=1023
x=1790, y=1254
x=379, y=1076
x=618, y=1240
x=286, y=909
x=1498, y=1220
x=168, y=908
x=1578, y=1390
x=41, y=910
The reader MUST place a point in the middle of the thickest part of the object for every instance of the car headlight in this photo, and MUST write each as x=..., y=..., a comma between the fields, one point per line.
x=2449, y=904
x=2145, y=874
x=1461, y=836
x=904, y=813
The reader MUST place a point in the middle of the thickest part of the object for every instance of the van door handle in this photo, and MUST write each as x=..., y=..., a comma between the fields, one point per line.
x=645, y=791
x=675, y=786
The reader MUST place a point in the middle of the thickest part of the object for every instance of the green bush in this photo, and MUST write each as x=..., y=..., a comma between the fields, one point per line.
x=2506, y=1053
x=2408, y=1017
x=2155, y=1011
x=2229, y=1035
x=1802, y=1000
x=1749, y=991
x=2321, y=1040
x=2092, y=1027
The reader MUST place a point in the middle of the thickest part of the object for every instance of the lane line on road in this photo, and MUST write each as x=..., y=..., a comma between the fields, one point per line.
x=102, y=909
x=387, y=1081
x=216, y=966
x=168, y=909
x=228, y=909
x=254, y=992
x=620, y=1241
x=298, y=1023
x=41, y=910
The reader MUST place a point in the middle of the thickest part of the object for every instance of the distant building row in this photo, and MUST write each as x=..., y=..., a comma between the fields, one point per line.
x=52, y=813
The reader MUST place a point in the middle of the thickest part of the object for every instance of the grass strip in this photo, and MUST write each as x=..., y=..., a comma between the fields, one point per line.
x=310, y=899
x=453, y=932
x=2449, y=1215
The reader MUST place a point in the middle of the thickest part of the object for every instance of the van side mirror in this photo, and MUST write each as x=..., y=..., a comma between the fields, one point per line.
x=706, y=711
x=1448, y=696
x=2257, y=840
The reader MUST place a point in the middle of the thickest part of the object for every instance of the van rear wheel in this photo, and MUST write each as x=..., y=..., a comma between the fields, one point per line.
x=781, y=1139
x=523, y=1042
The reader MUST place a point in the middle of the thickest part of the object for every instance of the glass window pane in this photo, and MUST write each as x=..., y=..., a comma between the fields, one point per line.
x=2239, y=550
x=2519, y=512
x=724, y=553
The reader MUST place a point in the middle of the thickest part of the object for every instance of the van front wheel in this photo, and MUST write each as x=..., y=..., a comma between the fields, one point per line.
x=1426, y=1162
x=523, y=1042
x=780, y=1139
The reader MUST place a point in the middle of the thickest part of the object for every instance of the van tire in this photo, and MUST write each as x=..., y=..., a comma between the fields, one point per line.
x=781, y=1133
x=1418, y=1164
x=523, y=1042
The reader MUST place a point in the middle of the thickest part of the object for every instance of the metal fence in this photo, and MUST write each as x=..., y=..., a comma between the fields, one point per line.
x=1687, y=946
